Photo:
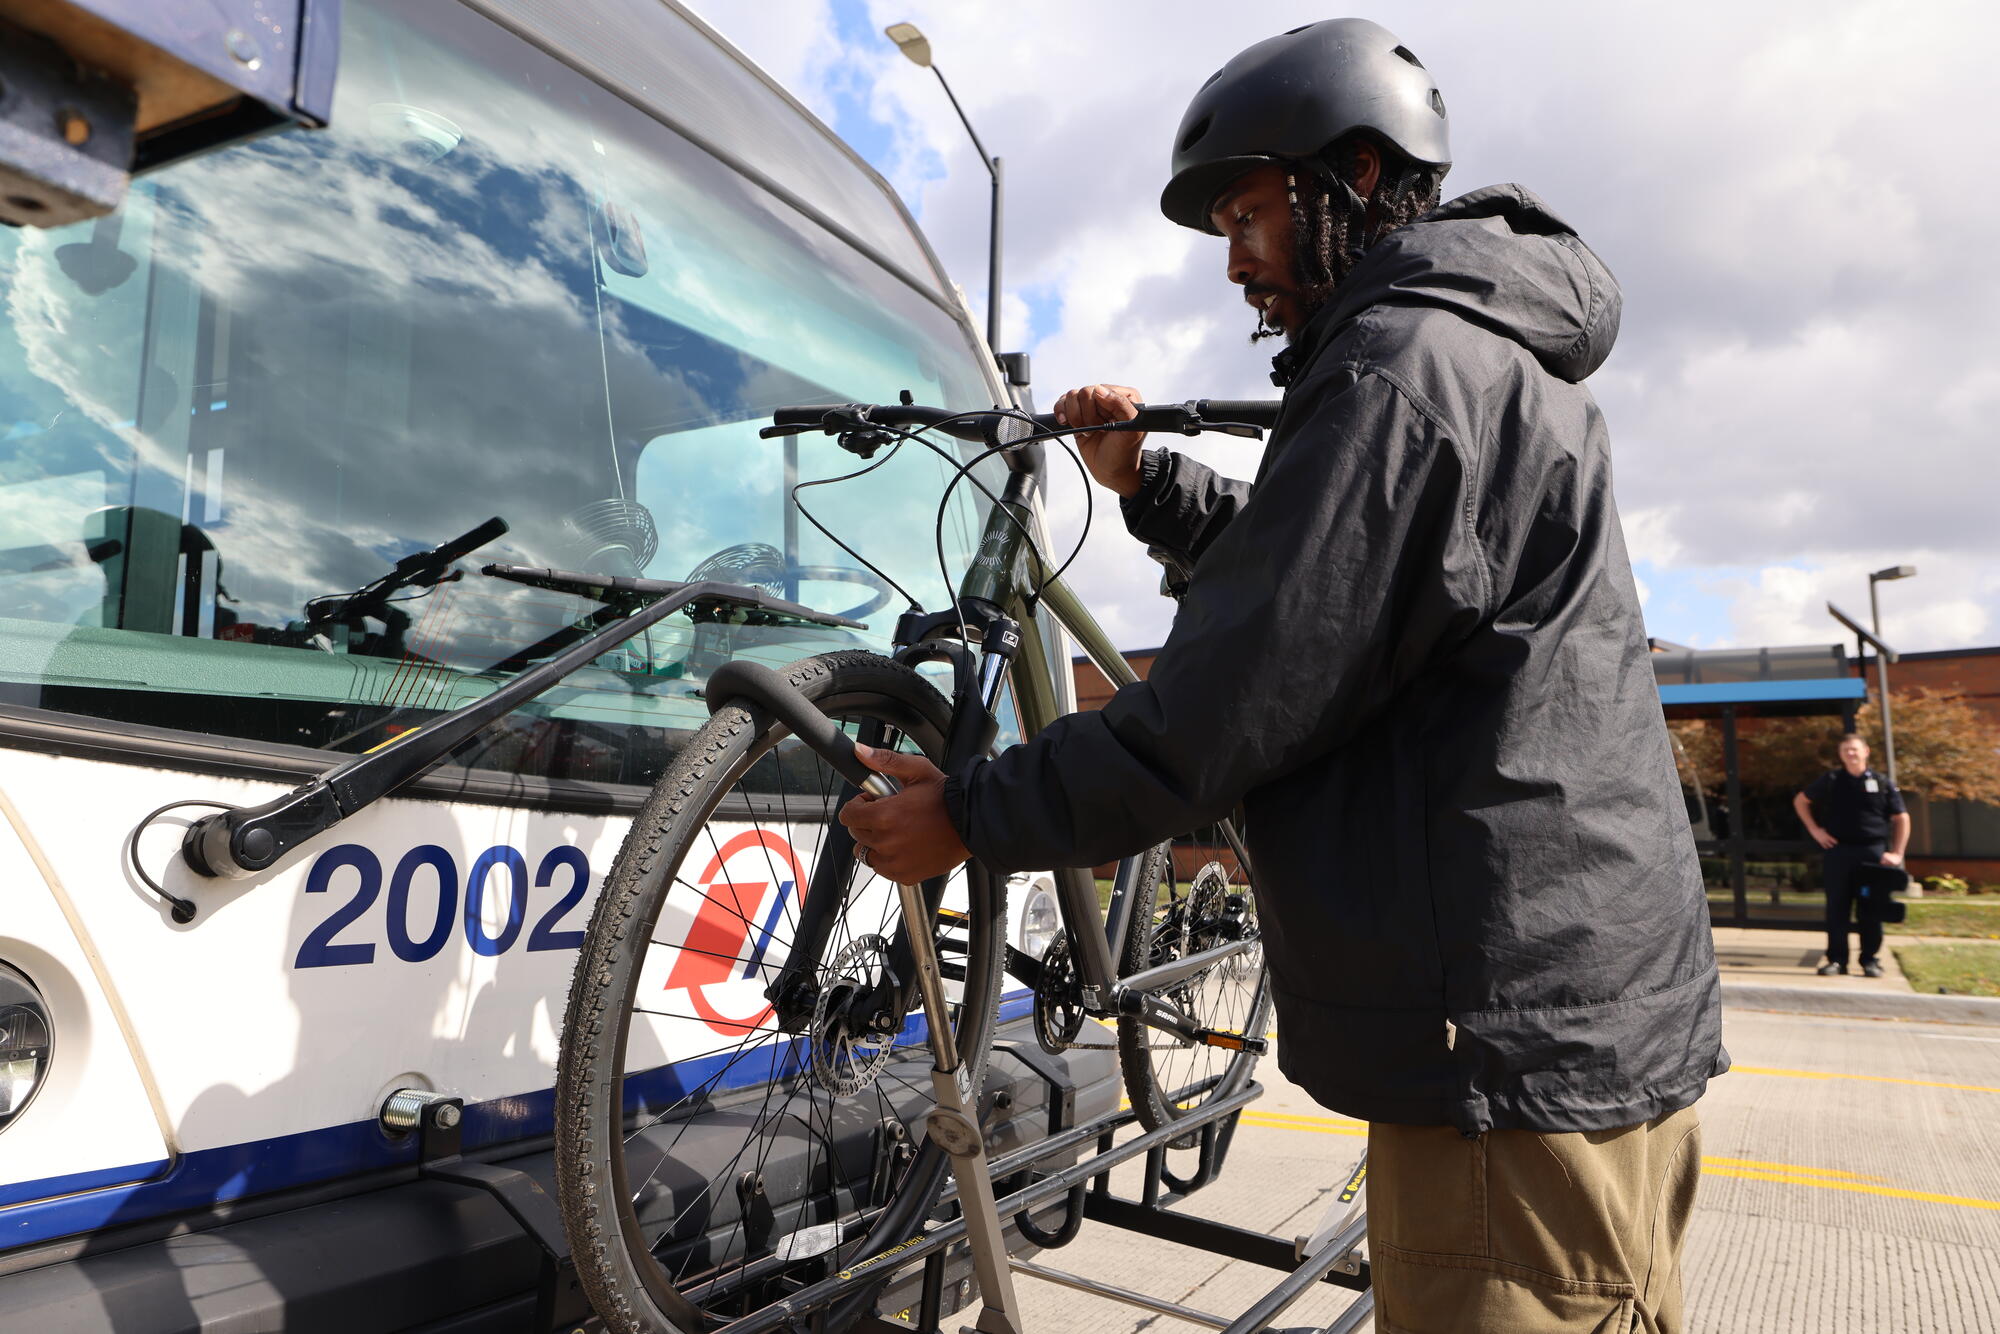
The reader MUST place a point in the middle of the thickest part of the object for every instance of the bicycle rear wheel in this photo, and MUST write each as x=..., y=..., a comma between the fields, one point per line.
x=1201, y=899
x=715, y=1144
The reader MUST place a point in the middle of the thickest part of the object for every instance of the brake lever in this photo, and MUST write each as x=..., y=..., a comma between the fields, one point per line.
x=773, y=432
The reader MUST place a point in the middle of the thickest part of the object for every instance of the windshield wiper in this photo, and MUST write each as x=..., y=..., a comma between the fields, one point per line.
x=243, y=841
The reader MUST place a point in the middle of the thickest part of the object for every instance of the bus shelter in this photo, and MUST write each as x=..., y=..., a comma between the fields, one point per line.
x=1757, y=864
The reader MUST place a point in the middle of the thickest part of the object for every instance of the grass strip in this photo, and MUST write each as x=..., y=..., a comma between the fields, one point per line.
x=1971, y=969
x=1949, y=917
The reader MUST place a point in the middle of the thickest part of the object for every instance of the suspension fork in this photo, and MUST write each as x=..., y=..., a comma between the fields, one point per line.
x=792, y=992
x=973, y=727
x=977, y=685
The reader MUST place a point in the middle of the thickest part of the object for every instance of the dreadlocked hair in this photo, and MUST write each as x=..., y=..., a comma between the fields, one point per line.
x=1329, y=220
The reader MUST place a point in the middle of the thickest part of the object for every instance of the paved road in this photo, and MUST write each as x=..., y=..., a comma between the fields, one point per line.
x=1852, y=1186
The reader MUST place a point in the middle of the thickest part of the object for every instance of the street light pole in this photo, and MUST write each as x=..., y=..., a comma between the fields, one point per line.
x=1882, y=665
x=1874, y=609
x=1884, y=655
x=917, y=47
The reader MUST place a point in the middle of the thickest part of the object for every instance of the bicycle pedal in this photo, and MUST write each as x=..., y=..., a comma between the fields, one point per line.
x=1219, y=1037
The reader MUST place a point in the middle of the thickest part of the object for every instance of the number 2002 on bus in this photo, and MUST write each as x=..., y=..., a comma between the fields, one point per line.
x=563, y=867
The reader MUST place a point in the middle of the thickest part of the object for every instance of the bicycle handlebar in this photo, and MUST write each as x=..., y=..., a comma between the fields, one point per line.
x=1249, y=418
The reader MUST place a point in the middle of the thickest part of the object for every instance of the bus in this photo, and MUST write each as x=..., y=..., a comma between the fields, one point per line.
x=551, y=265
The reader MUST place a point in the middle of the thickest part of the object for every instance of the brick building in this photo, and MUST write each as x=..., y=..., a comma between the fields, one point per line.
x=1959, y=837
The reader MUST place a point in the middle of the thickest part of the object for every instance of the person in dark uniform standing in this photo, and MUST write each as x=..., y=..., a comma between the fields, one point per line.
x=1857, y=815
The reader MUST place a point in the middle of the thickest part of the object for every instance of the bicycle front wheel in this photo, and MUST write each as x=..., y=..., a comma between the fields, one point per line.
x=732, y=1119
x=1200, y=899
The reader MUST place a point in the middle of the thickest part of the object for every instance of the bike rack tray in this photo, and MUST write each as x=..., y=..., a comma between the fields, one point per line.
x=1334, y=1262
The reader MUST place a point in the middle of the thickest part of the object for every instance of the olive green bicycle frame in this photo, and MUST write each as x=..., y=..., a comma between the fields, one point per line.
x=1007, y=573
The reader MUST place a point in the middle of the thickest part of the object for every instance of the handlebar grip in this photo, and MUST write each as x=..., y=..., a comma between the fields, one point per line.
x=807, y=414
x=424, y=569
x=494, y=527
x=1147, y=417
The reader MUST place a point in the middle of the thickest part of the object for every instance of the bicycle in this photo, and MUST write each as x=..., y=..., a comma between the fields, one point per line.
x=813, y=1007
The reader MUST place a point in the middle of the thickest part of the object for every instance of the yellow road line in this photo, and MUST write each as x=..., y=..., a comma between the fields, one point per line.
x=1859, y=1188
x=1267, y=1114
x=1747, y=1169
x=1871, y=1079
x=1793, y=1169
x=1290, y=1123
x=1340, y=1125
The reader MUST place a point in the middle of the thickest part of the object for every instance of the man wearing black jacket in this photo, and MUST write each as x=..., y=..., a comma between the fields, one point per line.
x=1855, y=814
x=1412, y=651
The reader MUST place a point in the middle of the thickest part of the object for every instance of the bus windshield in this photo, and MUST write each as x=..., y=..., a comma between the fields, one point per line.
x=492, y=288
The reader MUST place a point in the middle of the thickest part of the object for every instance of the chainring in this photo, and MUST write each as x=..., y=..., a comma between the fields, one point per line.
x=844, y=1062
x=1059, y=1012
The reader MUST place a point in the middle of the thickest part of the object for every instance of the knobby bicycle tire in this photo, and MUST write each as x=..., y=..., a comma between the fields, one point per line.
x=837, y=1175
x=1201, y=896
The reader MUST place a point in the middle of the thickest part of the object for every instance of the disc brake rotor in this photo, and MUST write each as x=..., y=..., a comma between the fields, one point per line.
x=847, y=1058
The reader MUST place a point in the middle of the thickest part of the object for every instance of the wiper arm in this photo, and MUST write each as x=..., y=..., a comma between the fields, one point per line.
x=237, y=843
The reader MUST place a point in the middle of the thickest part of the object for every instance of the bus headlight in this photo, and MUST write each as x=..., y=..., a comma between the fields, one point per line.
x=1040, y=920
x=24, y=1043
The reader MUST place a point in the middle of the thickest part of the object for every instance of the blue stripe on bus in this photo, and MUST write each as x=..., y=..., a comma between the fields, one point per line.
x=204, y=1177
x=14, y=1192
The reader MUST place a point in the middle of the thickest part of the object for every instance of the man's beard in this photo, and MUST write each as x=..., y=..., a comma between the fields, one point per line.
x=1265, y=327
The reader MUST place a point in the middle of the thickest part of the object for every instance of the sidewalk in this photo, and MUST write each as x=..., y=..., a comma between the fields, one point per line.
x=1776, y=971
x=1767, y=957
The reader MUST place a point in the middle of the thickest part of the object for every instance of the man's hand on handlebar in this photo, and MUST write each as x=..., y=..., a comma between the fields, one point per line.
x=1111, y=456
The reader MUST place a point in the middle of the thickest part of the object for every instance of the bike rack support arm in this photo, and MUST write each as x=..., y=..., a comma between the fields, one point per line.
x=559, y=1297
x=742, y=680
x=239, y=843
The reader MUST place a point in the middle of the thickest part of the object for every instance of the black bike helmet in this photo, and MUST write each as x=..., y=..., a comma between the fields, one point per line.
x=1288, y=98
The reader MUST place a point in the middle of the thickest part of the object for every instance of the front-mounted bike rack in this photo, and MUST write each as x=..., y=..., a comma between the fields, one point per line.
x=1083, y=1189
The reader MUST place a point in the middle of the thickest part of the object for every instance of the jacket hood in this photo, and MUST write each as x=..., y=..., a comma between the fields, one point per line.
x=1501, y=259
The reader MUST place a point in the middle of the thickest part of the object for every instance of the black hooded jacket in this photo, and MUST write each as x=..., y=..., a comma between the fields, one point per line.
x=1412, y=650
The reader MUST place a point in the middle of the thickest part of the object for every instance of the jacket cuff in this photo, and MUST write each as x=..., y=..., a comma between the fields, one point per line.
x=955, y=804
x=1155, y=470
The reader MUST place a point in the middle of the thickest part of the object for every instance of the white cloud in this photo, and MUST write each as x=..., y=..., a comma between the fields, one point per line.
x=1793, y=195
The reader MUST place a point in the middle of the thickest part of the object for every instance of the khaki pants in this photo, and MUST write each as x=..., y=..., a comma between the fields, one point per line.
x=1523, y=1233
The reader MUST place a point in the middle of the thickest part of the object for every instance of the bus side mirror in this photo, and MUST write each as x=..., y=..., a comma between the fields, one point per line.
x=93, y=92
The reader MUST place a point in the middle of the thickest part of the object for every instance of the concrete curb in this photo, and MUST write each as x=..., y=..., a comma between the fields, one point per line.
x=1863, y=1004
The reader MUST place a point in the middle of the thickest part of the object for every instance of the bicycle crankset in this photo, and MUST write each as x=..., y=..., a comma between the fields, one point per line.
x=1059, y=1012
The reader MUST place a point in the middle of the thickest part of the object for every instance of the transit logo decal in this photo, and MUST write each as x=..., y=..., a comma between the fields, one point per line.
x=733, y=887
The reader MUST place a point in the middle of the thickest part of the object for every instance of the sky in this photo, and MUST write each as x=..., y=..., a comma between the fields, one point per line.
x=1795, y=195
